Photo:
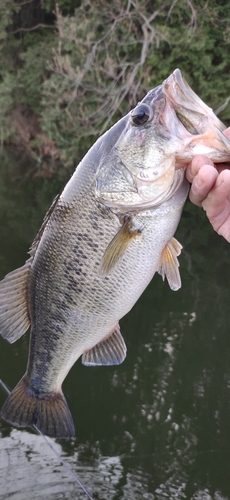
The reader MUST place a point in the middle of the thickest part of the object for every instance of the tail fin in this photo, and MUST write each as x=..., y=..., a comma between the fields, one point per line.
x=48, y=411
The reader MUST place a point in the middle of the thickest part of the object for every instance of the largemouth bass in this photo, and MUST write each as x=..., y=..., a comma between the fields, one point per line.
x=100, y=245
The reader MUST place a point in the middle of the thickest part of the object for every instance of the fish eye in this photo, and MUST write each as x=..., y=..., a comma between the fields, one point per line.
x=140, y=114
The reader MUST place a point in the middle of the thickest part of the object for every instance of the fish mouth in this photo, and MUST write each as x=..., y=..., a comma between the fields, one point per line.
x=204, y=127
x=182, y=96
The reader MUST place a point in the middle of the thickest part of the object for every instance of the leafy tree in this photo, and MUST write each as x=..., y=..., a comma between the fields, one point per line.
x=67, y=72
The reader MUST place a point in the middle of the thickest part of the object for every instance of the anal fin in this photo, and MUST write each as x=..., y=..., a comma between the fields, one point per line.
x=169, y=264
x=110, y=351
x=14, y=318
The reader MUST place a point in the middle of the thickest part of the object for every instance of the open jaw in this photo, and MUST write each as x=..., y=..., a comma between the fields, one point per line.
x=205, y=129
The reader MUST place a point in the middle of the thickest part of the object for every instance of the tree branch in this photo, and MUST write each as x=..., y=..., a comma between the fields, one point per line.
x=40, y=25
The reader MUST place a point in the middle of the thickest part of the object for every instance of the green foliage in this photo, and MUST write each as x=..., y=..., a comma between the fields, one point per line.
x=6, y=104
x=80, y=66
x=200, y=50
x=34, y=69
x=7, y=9
x=67, y=7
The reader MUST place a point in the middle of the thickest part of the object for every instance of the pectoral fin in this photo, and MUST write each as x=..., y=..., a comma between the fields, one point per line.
x=118, y=245
x=14, y=318
x=110, y=351
x=169, y=265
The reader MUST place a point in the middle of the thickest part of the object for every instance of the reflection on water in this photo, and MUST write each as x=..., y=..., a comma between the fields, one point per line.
x=155, y=427
x=29, y=469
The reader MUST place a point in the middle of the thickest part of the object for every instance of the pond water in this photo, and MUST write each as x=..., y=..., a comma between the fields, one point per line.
x=157, y=426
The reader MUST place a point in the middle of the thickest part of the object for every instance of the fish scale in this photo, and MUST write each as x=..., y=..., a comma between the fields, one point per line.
x=103, y=239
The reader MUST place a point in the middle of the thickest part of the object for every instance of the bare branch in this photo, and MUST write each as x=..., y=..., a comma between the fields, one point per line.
x=222, y=106
x=40, y=25
x=192, y=23
x=23, y=3
x=171, y=9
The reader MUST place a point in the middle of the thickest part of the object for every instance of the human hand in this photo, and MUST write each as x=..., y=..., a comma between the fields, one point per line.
x=210, y=190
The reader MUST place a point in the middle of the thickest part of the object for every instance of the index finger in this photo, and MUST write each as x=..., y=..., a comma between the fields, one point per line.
x=194, y=167
x=202, y=184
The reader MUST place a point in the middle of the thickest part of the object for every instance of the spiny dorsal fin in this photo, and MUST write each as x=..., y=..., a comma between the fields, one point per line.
x=14, y=318
x=118, y=245
x=38, y=236
x=169, y=265
x=110, y=351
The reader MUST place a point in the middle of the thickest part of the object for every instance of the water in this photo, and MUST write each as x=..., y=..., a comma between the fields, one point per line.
x=156, y=427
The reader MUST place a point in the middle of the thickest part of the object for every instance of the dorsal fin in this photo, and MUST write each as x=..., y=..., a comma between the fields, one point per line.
x=169, y=264
x=110, y=351
x=38, y=236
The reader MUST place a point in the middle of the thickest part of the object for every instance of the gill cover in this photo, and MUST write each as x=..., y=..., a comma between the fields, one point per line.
x=138, y=169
